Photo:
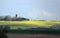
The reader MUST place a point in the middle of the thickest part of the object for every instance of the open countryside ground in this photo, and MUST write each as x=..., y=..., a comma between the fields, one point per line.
x=32, y=36
x=30, y=24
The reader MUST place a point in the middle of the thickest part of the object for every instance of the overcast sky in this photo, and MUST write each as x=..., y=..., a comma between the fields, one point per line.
x=32, y=9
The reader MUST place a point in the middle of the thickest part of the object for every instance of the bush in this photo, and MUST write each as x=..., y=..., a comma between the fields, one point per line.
x=56, y=27
x=3, y=34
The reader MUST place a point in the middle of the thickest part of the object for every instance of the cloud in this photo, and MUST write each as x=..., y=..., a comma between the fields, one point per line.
x=33, y=9
x=43, y=14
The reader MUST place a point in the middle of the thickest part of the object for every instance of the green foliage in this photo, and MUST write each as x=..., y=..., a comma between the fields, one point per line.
x=9, y=18
x=3, y=34
x=56, y=27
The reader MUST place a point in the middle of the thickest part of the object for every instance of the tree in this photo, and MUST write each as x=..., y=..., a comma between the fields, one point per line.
x=16, y=15
x=1, y=18
x=7, y=18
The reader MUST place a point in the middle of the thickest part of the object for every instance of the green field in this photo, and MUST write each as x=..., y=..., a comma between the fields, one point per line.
x=30, y=24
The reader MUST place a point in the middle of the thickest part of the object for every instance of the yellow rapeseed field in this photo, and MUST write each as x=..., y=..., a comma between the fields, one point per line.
x=29, y=24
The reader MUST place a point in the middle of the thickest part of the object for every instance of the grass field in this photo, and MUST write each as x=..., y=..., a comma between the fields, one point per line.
x=30, y=24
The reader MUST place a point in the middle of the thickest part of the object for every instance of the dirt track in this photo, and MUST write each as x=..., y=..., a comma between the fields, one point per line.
x=32, y=36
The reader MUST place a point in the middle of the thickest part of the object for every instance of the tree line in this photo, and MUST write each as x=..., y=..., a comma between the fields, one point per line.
x=15, y=18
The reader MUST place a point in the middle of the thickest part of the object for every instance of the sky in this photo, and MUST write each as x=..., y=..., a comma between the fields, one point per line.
x=32, y=9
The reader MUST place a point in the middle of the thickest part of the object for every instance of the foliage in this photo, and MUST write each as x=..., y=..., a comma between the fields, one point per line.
x=9, y=18
x=56, y=26
x=3, y=34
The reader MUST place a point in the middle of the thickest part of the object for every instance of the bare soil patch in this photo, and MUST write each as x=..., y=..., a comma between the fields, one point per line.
x=14, y=35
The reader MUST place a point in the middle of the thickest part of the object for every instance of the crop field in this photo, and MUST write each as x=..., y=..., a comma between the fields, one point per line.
x=30, y=24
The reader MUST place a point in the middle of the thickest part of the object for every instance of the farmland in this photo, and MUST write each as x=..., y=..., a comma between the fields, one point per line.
x=30, y=24
x=31, y=33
